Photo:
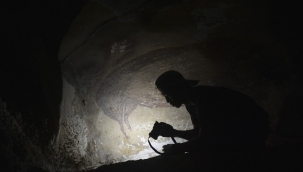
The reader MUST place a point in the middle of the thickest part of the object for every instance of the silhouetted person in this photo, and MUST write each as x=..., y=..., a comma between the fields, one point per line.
x=222, y=118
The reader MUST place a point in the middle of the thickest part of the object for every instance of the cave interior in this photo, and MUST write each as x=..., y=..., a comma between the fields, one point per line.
x=38, y=41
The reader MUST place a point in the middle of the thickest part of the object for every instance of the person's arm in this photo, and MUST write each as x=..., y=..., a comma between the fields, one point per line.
x=187, y=134
x=190, y=135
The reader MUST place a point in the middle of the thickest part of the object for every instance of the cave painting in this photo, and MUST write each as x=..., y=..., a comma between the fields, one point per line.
x=127, y=86
x=132, y=84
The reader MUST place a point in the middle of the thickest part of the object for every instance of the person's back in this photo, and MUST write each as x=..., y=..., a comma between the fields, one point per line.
x=222, y=118
x=228, y=118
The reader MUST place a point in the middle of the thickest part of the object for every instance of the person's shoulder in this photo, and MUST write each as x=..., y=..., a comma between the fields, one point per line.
x=203, y=89
x=219, y=92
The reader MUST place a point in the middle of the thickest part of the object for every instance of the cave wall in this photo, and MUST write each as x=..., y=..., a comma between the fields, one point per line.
x=113, y=53
x=31, y=80
x=90, y=100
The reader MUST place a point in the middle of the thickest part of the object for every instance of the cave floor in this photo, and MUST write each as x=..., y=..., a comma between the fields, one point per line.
x=282, y=158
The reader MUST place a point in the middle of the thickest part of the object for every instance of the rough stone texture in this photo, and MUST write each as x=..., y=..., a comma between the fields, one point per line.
x=111, y=57
x=17, y=146
x=31, y=80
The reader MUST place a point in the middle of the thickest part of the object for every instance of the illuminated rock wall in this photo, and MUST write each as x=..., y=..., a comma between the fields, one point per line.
x=111, y=58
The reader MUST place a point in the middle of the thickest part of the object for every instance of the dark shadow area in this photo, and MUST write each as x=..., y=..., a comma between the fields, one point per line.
x=31, y=80
x=278, y=159
x=285, y=24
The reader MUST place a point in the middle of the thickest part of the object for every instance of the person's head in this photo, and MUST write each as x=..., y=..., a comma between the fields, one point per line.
x=173, y=86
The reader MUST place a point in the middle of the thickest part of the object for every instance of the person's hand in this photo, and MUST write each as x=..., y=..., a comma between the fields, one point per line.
x=166, y=130
x=172, y=148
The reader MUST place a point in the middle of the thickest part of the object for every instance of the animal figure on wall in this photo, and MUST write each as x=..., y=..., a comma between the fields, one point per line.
x=132, y=84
